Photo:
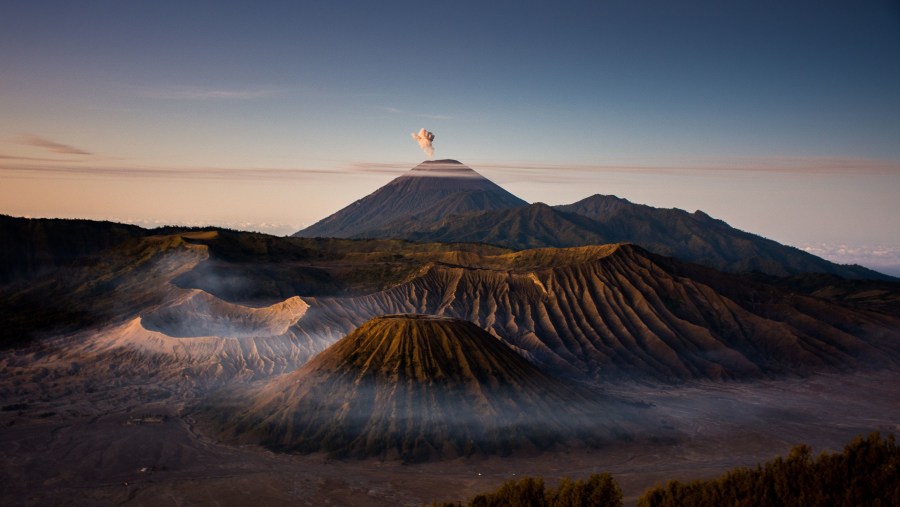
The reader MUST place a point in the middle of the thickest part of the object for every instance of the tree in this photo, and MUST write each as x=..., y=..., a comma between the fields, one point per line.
x=867, y=472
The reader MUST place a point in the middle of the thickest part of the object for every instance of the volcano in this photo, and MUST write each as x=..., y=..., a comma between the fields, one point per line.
x=431, y=191
x=446, y=201
x=417, y=387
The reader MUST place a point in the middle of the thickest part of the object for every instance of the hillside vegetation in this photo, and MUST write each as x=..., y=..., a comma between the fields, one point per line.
x=866, y=473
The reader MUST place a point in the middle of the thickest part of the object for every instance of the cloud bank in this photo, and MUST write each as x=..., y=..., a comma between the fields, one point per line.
x=884, y=258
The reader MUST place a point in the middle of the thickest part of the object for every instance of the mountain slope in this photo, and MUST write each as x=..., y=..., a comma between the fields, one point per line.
x=416, y=386
x=446, y=201
x=699, y=238
x=694, y=237
x=31, y=246
x=110, y=286
x=619, y=311
x=429, y=192
x=593, y=312
x=532, y=226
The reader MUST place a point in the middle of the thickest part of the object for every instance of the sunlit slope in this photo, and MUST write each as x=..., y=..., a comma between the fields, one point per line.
x=619, y=311
x=417, y=387
x=201, y=314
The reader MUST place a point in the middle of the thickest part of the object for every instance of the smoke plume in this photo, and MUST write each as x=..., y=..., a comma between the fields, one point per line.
x=424, y=139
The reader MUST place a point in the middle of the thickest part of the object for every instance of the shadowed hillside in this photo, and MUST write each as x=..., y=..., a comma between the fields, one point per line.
x=694, y=237
x=880, y=295
x=109, y=287
x=699, y=238
x=33, y=246
x=245, y=266
x=533, y=226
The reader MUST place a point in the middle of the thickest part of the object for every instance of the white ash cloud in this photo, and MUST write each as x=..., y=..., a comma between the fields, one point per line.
x=424, y=138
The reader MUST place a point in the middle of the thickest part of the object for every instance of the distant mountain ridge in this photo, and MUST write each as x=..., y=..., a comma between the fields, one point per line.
x=429, y=192
x=456, y=204
x=33, y=245
x=599, y=219
x=700, y=238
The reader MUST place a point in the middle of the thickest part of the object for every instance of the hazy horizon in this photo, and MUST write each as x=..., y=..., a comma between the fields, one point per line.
x=782, y=120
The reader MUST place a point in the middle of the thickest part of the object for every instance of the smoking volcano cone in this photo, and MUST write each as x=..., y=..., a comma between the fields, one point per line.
x=416, y=387
x=430, y=192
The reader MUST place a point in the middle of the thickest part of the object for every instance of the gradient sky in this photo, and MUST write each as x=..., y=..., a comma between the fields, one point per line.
x=781, y=118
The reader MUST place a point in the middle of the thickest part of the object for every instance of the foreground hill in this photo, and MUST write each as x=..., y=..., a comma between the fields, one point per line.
x=414, y=386
x=429, y=192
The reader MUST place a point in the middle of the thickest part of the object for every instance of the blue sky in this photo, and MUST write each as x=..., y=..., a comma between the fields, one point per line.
x=782, y=118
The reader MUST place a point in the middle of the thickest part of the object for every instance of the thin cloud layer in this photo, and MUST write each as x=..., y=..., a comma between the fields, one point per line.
x=201, y=93
x=47, y=144
x=563, y=172
x=519, y=172
x=213, y=173
x=787, y=165
x=427, y=116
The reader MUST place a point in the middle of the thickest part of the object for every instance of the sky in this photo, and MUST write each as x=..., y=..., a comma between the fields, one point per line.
x=781, y=118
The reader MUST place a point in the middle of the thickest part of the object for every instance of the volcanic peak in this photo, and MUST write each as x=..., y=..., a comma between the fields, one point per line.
x=447, y=168
x=426, y=194
x=422, y=348
x=418, y=387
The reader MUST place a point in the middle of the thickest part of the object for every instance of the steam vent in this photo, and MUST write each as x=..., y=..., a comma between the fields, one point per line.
x=417, y=387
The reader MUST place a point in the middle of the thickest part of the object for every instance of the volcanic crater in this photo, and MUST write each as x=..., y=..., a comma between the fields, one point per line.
x=418, y=387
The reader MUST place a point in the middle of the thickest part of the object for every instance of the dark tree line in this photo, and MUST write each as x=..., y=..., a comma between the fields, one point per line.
x=598, y=490
x=866, y=473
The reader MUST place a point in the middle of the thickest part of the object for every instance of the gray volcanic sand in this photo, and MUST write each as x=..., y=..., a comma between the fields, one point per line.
x=145, y=453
